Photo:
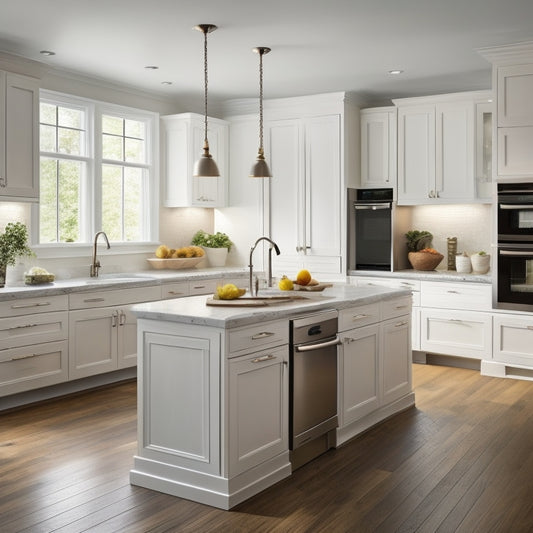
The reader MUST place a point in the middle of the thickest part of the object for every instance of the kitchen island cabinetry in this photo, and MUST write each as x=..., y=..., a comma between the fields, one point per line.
x=102, y=330
x=184, y=141
x=437, y=149
x=19, y=137
x=214, y=391
x=33, y=343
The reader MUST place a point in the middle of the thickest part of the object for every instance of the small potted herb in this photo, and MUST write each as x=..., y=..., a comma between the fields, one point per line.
x=480, y=262
x=216, y=246
x=13, y=244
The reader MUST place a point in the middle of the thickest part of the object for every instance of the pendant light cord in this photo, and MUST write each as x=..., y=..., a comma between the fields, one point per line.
x=261, y=101
x=206, y=143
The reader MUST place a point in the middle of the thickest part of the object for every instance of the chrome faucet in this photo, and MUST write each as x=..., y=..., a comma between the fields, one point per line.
x=269, y=272
x=95, y=265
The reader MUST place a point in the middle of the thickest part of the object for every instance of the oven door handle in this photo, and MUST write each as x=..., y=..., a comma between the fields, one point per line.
x=372, y=207
x=516, y=253
x=516, y=206
x=318, y=346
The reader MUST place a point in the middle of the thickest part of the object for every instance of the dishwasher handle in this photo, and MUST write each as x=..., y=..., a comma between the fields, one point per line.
x=318, y=345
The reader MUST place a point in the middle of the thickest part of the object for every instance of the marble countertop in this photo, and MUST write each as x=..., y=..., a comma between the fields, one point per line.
x=193, y=310
x=425, y=275
x=118, y=281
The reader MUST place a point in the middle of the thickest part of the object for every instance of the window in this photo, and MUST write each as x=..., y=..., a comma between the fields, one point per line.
x=98, y=172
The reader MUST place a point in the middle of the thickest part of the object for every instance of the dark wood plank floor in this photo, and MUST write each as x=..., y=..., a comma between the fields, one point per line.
x=462, y=460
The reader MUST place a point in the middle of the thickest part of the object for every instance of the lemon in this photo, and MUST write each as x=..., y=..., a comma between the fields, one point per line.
x=229, y=291
x=285, y=284
x=303, y=277
x=162, y=252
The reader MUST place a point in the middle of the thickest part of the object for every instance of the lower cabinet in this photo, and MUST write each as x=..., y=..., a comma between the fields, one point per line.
x=258, y=408
x=461, y=333
x=513, y=340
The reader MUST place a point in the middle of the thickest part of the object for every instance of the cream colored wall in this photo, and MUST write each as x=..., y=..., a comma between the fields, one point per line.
x=470, y=223
x=178, y=225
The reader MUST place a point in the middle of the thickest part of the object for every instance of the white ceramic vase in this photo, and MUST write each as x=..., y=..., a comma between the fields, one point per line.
x=216, y=257
x=480, y=263
x=463, y=264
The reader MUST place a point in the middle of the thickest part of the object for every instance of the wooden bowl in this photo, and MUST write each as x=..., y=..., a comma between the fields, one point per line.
x=424, y=260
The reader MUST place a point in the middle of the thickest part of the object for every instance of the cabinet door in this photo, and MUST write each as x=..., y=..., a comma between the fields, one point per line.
x=513, y=339
x=359, y=373
x=21, y=178
x=515, y=156
x=416, y=154
x=454, y=178
x=463, y=333
x=127, y=338
x=258, y=408
x=378, y=149
x=321, y=222
x=92, y=341
x=515, y=103
x=396, y=358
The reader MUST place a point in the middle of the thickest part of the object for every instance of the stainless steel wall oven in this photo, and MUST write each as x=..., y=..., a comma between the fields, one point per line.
x=370, y=229
x=514, y=286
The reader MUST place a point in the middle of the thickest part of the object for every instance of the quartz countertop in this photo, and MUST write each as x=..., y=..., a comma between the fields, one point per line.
x=119, y=281
x=193, y=310
x=425, y=275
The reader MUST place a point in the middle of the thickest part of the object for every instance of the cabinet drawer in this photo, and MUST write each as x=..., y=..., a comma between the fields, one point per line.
x=513, y=339
x=23, y=306
x=85, y=300
x=396, y=307
x=31, y=329
x=473, y=296
x=206, y=286
x=355, y=317
x=175, y=290
x=463, y=333
x=253, y=338
x=31, y=367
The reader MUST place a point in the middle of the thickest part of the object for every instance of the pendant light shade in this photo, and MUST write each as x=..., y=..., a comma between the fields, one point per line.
x=260, y=167
x=205, y=166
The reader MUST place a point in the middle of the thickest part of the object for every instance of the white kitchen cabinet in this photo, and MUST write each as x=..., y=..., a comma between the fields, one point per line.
x=258, y=408
x=461, y=333
x=513, y=339
x=378, y=147
x=462, y=295
x=515, y=89
x=396, y=358
x=19, y=137
x=102, y=330
x=305, y=193
x=484, y=155
x=183, y=141
x=437, y=149
x=359, y=377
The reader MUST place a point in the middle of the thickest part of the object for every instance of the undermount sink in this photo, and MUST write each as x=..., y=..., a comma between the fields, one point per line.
x=115, y=278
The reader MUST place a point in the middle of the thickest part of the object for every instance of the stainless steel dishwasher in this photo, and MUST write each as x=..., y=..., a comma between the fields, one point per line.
x=313, y=385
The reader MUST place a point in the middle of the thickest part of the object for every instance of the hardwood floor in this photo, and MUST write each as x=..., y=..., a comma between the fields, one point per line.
x=462, y=460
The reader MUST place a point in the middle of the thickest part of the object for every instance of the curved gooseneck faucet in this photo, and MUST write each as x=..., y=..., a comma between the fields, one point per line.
x=95, y=265
x=269, y=273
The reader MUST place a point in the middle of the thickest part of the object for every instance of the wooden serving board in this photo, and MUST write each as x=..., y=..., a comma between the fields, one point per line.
x=319, y=287
x=252, y=301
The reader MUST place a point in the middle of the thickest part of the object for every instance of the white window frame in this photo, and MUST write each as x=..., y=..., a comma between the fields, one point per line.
x=95, y=110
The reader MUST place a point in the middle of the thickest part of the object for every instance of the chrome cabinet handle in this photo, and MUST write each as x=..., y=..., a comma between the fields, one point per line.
x=262, y=335
x=26, y=356
x=23, y=327
x=114, y=319
x=24, y=306
x=92, y=300
x=359, y=317
x=263, y=358
x=122, y=318
x=399, y=324
x=400, y=306
x=175, y=293
x=453, y=292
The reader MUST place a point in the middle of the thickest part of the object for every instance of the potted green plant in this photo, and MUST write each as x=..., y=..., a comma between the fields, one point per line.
x=480, y=262
x=13, y=244
x=216, y=246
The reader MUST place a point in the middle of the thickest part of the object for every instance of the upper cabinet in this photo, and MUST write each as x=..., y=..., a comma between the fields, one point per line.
x=183, y=141
x=437, y=149
x=19, y=137
x=378, y=147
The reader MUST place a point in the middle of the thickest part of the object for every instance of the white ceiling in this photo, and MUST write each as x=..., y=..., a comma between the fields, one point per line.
x=317, y=45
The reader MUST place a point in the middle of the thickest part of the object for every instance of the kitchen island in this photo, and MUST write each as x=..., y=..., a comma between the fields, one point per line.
x=213, y=386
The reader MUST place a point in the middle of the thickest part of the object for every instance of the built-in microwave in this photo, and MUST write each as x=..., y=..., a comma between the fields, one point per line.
x=370, y=216
x=515, y=212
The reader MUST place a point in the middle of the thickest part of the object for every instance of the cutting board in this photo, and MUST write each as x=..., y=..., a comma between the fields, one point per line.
x=319, y=287
x=253, y=302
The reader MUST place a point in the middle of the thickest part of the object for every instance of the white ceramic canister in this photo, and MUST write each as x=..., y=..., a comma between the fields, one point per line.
x=463, y=264
x=480, y=263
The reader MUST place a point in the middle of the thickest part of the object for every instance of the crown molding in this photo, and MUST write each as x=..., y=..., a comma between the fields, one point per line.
x=509, y=53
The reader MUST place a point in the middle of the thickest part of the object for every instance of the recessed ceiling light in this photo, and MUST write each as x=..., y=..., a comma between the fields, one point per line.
x=47, y=53
x=395, y=72
x=151, y=67
x=166, y=83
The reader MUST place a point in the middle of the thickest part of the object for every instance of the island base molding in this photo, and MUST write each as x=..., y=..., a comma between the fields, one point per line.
x=497, y=369
x=345, y=433
x=208, y=489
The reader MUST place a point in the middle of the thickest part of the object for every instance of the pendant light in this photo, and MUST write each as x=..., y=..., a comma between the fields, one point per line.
x=260, y=167
x=205, y=166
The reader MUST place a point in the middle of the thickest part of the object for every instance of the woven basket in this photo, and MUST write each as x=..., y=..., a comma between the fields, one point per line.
x=424, y=260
